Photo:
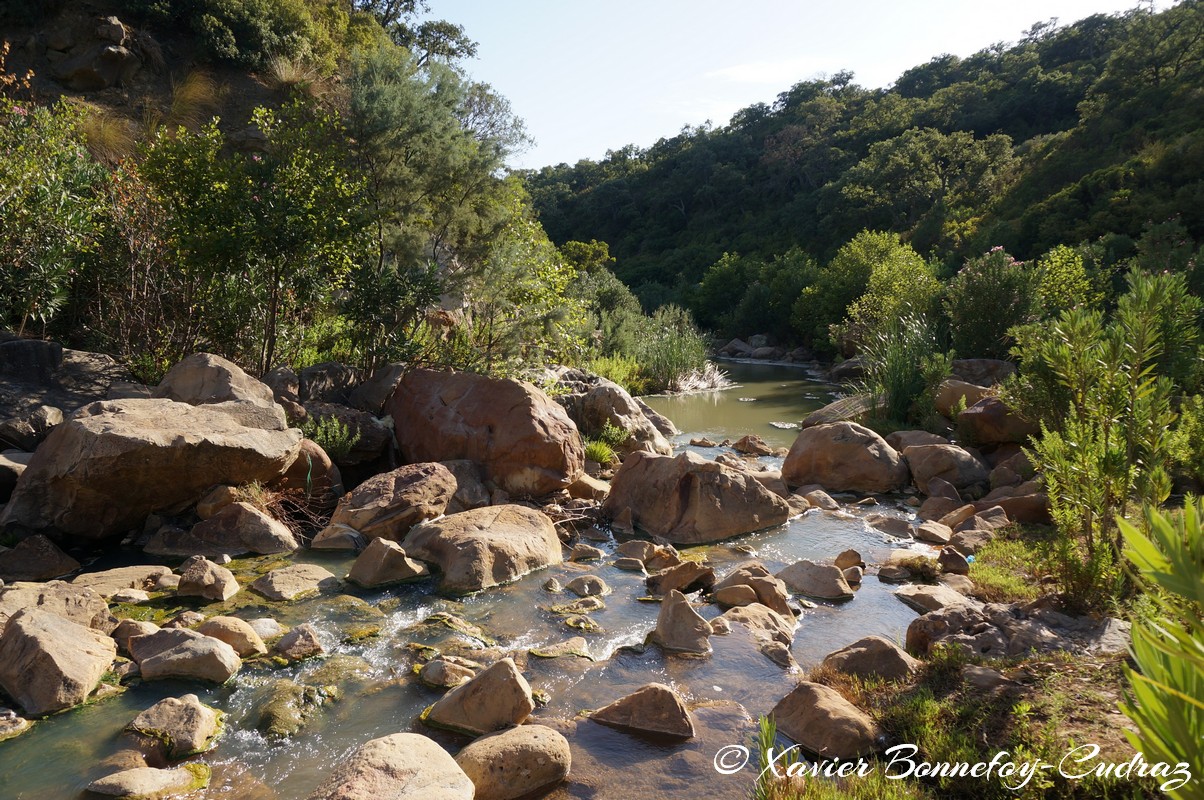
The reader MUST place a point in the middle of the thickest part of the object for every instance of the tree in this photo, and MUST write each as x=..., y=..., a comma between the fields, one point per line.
x=900, y=282
x=427, y=40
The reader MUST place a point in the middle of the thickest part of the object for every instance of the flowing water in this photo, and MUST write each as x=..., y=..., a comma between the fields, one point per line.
x=60, y=755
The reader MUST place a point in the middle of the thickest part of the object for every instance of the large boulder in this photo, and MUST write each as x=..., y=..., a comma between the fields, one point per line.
x=525, y=442
x=824, y=723
x=404, y=766
x=844, y=456
x=498, y=697
x=35, y=559
x=48, y=663
x=990, y=421
x=515, y=763
x=203, y=378
x=687, y=499
x=947, y=462
x=824, y=581
x=79, y=604
x=113, y=463
x=485, y=547
x=181, y=653
x=653, y=709
x=594, y=402
x=873, y=657
x=681, y=629
x=388, y=505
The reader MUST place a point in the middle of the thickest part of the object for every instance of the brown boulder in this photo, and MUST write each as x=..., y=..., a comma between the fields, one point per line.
x=525, y=442
x=824, y=723
x=237, y=529
x=314, y=475
x=653, y=709
x=498, y=697
x=204, y=378
x=953, y=392
x=35, y=559
x=183, y=726
x=516, y=763
x=990, y=421
x=388, y=505
x=48, y=663
x=79, y=604
x=687, y=499
x=844, y=456
x=679, y=628
x=873, y=657
x=403, y=766
x=112, y=464
x=948, y=462
x=383, y=563
x=593, y=402
x=824, y=581
x=485, y=547
x=901, y=440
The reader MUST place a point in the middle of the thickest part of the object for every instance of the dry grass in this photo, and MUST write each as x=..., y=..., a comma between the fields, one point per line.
x=194, y=101
x=109, y=136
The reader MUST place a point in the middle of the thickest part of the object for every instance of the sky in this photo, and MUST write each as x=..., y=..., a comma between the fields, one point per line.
x=589, y=76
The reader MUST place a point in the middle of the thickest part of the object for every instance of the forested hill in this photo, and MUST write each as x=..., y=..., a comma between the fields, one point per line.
x=1089, y=130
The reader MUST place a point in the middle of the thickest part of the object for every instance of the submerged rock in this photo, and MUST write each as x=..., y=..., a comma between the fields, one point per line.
x=295, y=581
x=652, y=709
x=150, y=783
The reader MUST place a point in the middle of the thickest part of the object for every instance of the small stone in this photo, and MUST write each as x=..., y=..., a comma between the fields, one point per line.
x=185, y=619
x=300, y=643
x=893, y=573
x=679, y=628
x=266, y=627
x=497, y=697
x=200, y=577
x=552, y=585
x=950, y=560
x=853, y=575
x=384, y=563
x=588, y=586
x=849, y=558
x=934, y=533
x=442, y=674
x=629, y=564
x=586, y=552
x=129, y=596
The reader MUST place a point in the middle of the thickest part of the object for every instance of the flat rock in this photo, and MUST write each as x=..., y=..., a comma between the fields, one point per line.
x=932, y=598
x=110, y=581
x=294, y=581
x=823, y=581
x=79, y=604
x=151, y=783
x=182, y=653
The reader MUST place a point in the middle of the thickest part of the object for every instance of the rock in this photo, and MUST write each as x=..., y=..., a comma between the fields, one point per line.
x=587, y=487
x=588, y=586
x=950, y=560
x=850, y=369
x=338, y=537
x=235, y=530
x=964, y=627
x=932, y=598
x=849, y=558
x=185, y=619
x=295, y=581
x=128, y=629
x=404, y=766
x=958, y=583
x=689, y=500
x=822, y=722
x=384, y=563
x=947, y=462
x=585, y=552
x=953, y=393
x=629, y=564
x=497, y=697
x=514, y=763
x=871, y=657
x=762, y=622
x=266, y=627
x=470, y=486
x=844, y=456
x=290, y=706
x=893, y=526
x=48, y=663
x=102, y=472
x=735, y=595
x=971, y=541
x=129, y=596
x=12, y=464
x=737, y=347
x=235, y=632
x=853, y=575
x=857, y=408
x=939, y=487
x=203, y=379
x=200, y=577
x=641, y=549
x=370, y=395
x=821, y=499
x=35, y=559
x=752, y=445
x=901, y=440
x=78, y=604
x=110, y=581
x=371, y=436
x=679, y=628
x=824, y=581
x=982, y=371
x=328, y=382
x=218, y=498
x=99, y=67
x=525, y=442
x=300, y=643
x=183, y=726
x=767, y=590
x=688, y=576
x=180, y=653
x=934, y=533
x=314, y=476
x=990, y=421
x=485, y=547
x=937, y=508
x=658, y=420
x=955, y=518
x=388, y=505
x=593, y=402
x=653, y=709
x=1031, y=508
x=442, y=674
x=151, y=783
x=28, y=429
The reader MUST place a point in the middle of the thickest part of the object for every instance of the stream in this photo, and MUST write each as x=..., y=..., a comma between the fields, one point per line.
x=380, y=696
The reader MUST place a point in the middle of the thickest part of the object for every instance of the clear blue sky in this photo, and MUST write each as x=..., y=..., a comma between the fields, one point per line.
x=588, y=76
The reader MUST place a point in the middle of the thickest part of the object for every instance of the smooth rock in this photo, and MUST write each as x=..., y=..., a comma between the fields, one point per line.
x=873, y=656
x=844, y=456
x=183, y=726
x=35, y=559
x=516, y=762
x=384, y=563
x=151, y=783
x=48, y=663
x=588, y=586
x=235, y=632
x=497, y=697
x=300, y=643
x=823, y=581
x=404, y=766
x=388, y=505
x=654, y=709
x=181, y=653
x=79, y=604
x=295, y=581
x=824, y=723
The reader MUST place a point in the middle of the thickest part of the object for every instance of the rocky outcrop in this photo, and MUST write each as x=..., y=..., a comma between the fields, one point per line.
x=104, y=470
x=996, y=630
x=654, y=709
x=525, y=442
x=485, y=547
x=404, y=766
x=48, y=663
x=824, y=723
x=593, y=402
x=180, y=653
x=948, y=462
x=388, y=505
x=687, y=499
x=872, y=657
x=844, y=456
x=498, y=697
x=515, y=763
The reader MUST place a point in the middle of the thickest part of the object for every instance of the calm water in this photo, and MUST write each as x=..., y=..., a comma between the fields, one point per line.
x=381, y=696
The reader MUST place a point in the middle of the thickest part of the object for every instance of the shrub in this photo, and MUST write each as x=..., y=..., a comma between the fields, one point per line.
x=672, y=349
x=899, y=282
x=986, y=299
x=1063, y=283
x=601, y=452
x=612, y=435
x=894, y=360
x=1187, y=439
x=621, y=369
x=333, y=435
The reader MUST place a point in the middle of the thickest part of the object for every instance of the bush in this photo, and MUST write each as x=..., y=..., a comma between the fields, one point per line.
x=601, y=452
x=621, y=369
x=671, y=349
x=1187, y=439
x=894, y=360
x=899, y=282
x=986, y=299
x=331, y=434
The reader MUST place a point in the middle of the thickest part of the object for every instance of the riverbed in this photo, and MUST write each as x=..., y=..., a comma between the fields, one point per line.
x=380, y=695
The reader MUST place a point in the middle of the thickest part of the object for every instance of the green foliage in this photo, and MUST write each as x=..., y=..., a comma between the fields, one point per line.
x=48, y=203
x=600, y=452
x=1167, y=699
x=1186, y=442
x=766, y=291
x=671, y=349
x=611, y=434
x=1063, y=283
x=988, y=297
x=894, y=358
x=899, y=282
x=825, y=301
x=333, y=435
x=621, y=369
x=1007, y=570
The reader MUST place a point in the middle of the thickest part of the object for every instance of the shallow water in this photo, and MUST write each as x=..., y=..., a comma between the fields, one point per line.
x=62, y=754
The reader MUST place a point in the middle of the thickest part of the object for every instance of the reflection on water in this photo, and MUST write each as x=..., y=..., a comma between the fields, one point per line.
x=381, y=696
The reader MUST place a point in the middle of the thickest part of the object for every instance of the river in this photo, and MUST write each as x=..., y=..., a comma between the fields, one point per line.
x=60, y=755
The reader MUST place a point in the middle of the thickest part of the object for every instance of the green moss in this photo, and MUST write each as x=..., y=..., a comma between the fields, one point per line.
x=582, y=606
x=358, y=633
x=583, y=623
x=459, y=626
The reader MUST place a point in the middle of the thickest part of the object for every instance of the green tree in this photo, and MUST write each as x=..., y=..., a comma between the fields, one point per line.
x=900, y=282
x=1063, y=282
x=988, y=297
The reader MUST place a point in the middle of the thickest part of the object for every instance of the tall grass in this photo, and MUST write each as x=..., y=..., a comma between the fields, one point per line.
x=895, y=360
x=671, y=349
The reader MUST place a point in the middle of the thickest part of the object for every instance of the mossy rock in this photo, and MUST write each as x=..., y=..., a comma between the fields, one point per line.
x=340, y=669
x=582, y=606
x=460, y=626
x=291, y=706
x=358, y=633
x=583, y=623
